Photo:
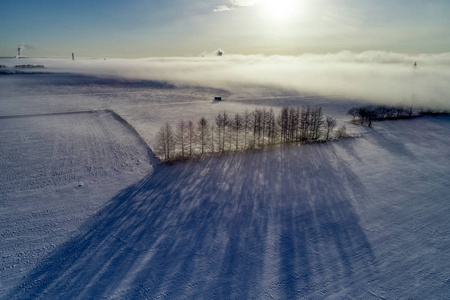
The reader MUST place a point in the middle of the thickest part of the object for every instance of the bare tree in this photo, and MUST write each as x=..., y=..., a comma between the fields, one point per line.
x=409, y=110
x=353, y=112
x=219, y=124
x=264, y=119
x=181, y=137
x=317, y=122
x=256, y=126
x=283, y=122
x=226, y=125
x=399, y=110
x=367, y=113
x=229, y=132
x=212, y=140
x=161, y=145
x=330, y=123
x=305, y=123
x=237, y=126
x=390, y=112
x=371, y=115
x=271, y=127
x=247, y=124
x=222, y=122
x=293, y=120
x=166, y=142
x=297, y=124
x=203, y=134
x=381, y=112
x=191, y=137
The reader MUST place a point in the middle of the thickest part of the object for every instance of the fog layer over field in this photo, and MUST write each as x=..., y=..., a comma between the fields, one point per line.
x=373, y=75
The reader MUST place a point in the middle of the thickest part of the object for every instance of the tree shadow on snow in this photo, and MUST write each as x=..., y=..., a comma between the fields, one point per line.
x=390, y=142
x=271, y=224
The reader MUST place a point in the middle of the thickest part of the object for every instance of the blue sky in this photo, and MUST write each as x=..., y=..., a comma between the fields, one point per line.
x=144, y=28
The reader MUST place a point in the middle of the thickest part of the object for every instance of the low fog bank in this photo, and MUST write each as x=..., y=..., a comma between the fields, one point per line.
x=374, y=76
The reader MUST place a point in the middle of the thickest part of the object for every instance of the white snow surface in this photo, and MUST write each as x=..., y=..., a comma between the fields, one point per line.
x=87, y=213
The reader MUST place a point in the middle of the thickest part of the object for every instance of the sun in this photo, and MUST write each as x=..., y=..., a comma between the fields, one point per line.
x=281, y=10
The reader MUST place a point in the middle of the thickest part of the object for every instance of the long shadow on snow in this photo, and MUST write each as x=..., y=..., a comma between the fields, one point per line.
x=389, y=141
x=276, y=223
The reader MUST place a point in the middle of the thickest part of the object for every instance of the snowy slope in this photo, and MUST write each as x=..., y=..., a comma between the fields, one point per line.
x=56, y=171
x=363, y=218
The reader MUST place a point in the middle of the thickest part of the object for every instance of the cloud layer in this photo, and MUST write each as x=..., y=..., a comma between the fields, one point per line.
x=373, y=75
x=232, y=4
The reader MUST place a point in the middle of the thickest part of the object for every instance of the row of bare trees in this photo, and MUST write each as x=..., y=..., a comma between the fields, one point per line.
x=369, y=113
x=243, y=131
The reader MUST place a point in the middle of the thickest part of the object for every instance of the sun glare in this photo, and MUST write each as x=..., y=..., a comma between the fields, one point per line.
x=281, y=10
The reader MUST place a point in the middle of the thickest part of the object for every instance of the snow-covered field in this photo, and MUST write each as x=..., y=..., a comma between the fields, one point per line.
x=87, y=213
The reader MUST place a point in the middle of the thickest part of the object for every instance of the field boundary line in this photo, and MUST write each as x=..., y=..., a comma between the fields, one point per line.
x=154, y=161
x=51, y=114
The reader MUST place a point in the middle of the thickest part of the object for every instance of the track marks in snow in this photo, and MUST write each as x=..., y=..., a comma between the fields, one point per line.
x=57, y=170
x=64, y=149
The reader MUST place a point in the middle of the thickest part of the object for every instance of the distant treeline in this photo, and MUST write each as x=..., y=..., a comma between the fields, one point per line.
x=30, y=66
x=245, y=131
x=367, y=114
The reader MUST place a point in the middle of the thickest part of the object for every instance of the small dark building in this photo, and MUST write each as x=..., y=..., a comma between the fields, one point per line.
x=217, y=98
